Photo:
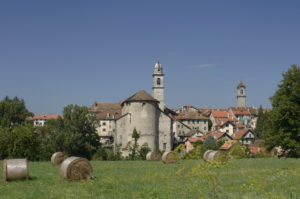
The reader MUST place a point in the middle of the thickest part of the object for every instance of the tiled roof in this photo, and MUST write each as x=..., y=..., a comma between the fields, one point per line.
x=241, y=133
x=192, y=140
x=227, y=145
x=106, y=110
x=244, y=110
x=44, y=117
x=222, y=123
x=140, y=96
x=239, y=125
x=220, y=114
x=97, y=106
x=217, y=135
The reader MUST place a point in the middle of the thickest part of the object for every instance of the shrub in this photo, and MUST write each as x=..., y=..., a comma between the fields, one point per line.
x=195, y=154
x=19, y=142
x=238, y=151
x=143, y=151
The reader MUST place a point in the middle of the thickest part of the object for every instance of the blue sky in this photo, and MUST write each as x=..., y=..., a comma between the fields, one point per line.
x=54, y=53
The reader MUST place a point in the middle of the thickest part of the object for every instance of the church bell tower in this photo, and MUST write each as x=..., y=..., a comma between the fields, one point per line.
x=241, y=95
x=158, y=85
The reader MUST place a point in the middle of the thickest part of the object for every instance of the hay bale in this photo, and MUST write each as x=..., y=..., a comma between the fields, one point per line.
x=170, y=157
x=58, y=157
x=14, y=169
x=211, y=155
x=76, y=168
x=153, y=156
x=205, y=155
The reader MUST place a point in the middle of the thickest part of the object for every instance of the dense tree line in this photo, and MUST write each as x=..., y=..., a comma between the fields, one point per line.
x=74, y=133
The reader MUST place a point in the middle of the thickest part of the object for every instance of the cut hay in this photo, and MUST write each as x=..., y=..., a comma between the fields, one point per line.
x=15, y=169
x=153, y=156
x=76, y=168
x=170, y=157
x=211, y=155
x=58, y=157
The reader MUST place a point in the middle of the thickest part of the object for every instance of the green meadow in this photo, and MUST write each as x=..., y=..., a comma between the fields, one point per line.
x=245, y=178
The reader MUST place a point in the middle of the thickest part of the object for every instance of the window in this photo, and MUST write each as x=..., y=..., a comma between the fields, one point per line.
x=103, y=129
x=158, y=81
x=204, y=128
x=103, y=123
x=178, y=126
x=242, y=91
x=164, y=146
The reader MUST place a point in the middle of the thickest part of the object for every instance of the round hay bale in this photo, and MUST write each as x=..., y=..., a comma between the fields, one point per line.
x=76, y=168
x=58, y=157
x=205, y=155
x=14, y=169
x=170, y=157
x=153, y=156
x=212, y=155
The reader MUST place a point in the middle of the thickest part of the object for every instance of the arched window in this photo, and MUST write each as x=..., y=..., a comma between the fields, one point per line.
x=158, y=81
x=242, y=91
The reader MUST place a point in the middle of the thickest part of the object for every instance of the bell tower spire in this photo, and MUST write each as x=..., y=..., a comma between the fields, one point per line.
x=241, y=95
x=158, y=84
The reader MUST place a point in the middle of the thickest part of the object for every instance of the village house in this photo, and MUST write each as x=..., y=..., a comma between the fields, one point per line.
x=107, y=114
x=41, y=120
x=245, y=136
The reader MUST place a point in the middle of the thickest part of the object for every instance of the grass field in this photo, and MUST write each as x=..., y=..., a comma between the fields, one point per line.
x=248, y=178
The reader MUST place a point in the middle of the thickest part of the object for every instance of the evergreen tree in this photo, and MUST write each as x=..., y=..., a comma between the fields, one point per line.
x=260, y=123
x=283, y=123
x=135, y=146
x=210, y=143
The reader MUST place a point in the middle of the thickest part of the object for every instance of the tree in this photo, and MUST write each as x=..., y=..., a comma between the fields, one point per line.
x=19, y=142
x=283, y=123
x=210, y=143
x=74, y=133
x=260, y=124
x=134, y=148
x=13, y=112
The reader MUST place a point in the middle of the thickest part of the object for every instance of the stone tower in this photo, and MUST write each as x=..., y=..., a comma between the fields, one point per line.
x=241, y=95
x=158, y=85
x=140, y=112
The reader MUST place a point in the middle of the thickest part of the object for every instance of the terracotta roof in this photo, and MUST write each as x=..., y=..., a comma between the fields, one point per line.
x=140, y=96
x=220, y=113
x=244, y=110
x=222, y=123
x=192, y=140
x=239, y=125
x=241, y=133
x=227, y=145
x=255, y=149
x=44, y=117
x=241, y=84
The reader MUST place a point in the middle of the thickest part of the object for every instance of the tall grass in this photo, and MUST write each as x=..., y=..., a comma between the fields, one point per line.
x=246, y=178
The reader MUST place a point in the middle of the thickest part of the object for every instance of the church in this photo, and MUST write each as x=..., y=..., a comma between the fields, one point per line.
x=141, y=111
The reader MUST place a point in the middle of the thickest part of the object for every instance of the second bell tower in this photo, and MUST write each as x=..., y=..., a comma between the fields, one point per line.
x=158, y=85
